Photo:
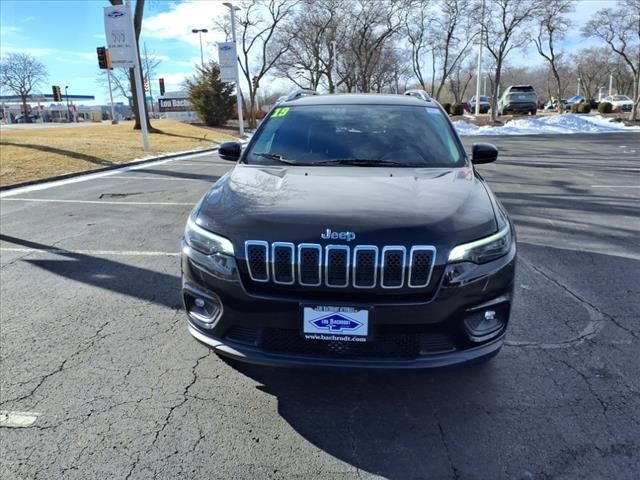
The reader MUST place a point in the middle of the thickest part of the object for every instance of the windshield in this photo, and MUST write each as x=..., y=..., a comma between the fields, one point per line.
x=485, y=99
x=366, y=135
x=617, y=98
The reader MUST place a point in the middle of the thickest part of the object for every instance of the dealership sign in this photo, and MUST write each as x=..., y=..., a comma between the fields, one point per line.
x=175, y=105
x=118, y=28
x=227, y=60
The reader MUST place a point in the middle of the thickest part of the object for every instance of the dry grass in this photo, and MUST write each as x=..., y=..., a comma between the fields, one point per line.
x=35, y=153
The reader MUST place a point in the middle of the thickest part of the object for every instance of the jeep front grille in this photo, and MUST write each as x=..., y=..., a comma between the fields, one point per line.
x=340, y=266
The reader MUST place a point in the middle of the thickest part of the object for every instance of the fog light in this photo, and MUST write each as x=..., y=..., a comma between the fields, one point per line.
x=204, y=311
x=482, y=326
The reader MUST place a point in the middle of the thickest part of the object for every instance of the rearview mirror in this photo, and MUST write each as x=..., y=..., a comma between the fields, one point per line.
x=483, y=153
x=230, y=151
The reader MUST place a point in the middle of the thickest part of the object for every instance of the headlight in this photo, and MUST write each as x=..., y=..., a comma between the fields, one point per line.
x=206, y=242
x=485, y=249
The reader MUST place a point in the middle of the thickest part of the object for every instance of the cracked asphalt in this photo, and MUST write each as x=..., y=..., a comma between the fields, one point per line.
x=93, y=340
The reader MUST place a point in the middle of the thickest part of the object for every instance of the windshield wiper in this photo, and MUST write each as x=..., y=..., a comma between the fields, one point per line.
x=360, y=162
x=276, y=157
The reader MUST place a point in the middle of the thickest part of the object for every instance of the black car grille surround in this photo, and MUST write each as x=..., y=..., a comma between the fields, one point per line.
x=401, y=346
x=340, y=266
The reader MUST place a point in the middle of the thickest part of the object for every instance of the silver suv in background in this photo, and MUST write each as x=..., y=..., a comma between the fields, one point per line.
x=518, y=99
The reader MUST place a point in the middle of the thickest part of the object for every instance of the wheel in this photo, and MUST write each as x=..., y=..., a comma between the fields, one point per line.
x=533, y=112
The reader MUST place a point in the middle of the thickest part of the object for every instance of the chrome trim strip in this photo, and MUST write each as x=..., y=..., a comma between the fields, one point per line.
x=292, y=249
x=327, y=249
x=421, y=248
x=375, y=265
x=258, y=243
x=392, y=248
x=314, y=246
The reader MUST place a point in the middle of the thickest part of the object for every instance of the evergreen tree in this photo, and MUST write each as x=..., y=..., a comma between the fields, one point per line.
x=210, y=97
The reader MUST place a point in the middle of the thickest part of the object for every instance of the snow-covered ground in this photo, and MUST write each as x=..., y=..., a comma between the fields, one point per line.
x=566, y=124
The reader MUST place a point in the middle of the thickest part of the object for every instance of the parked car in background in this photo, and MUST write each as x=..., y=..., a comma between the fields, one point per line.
x=574, y=100
x=620, y=103
x=30, y=119
x=485, y=104
x=518, y=99
x=552, y=105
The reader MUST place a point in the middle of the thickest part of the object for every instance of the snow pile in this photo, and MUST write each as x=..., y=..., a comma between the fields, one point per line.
x=565, y=124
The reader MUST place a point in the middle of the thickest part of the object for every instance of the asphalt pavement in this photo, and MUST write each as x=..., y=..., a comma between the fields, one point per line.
x=100, y=379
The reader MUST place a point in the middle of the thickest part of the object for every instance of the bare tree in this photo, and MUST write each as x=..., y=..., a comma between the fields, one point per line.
x=121, y=77
x=592, y=66
x=312, y=34
x=373, y=25
x=620, y=29
x=137, y=27
x=260, y=47
x=504, y=23
x=552, y=26
x=418, y=30
x=21, y=73
x=456, y=35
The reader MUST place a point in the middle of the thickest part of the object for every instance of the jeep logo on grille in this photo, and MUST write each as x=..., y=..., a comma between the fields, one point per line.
x=329, y=235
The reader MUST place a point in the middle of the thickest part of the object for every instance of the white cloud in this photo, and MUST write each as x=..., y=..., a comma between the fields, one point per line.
x=181, y=18
x=174, y=81
x=8, y=30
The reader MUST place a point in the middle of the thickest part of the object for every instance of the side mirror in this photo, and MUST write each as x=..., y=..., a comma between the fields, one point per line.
x=483, y=153
x=230, y=151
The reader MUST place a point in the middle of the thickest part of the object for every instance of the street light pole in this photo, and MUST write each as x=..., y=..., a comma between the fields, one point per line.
x=578, y=91
x=610, y=83
x=238, y=91
x=200, y=31
x=479, y=72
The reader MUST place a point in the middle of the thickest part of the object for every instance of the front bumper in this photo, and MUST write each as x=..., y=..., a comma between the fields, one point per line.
x=519, y=108
x=265, y=329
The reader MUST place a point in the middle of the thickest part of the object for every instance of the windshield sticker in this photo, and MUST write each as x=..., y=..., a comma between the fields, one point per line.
x=280, y=112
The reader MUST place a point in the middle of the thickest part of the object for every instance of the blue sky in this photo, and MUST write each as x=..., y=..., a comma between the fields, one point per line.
x=65, y=34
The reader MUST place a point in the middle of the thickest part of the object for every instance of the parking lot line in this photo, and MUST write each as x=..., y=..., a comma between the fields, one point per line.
x=128, y=253
x=17, y=419
x=58, y=200
x=615, y=186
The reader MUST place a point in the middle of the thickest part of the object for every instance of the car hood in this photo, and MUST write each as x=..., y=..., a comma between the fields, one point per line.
x=398, y=206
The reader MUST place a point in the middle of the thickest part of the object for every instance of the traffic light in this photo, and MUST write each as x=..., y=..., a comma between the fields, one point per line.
x=161, y=81
x=102, y=57
x=57, y=94
x=255, y=81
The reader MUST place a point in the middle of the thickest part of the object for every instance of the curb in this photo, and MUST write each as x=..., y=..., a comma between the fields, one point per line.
x=132, y=163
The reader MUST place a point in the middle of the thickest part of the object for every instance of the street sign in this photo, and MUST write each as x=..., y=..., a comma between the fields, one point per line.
x=227, y=59
x=118, y=28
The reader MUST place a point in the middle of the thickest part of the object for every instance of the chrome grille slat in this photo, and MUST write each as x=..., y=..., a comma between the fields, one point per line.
x=254, y=251
x=340, y=266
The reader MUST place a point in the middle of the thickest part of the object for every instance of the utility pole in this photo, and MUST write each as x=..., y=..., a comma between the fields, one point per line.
x=66, y=94
x=479, y=72
x=137, y=73
x=334, y=66
x=578, y=90
x=610, y=84
x=238, y=92
x=146, y=60
x=114, y=121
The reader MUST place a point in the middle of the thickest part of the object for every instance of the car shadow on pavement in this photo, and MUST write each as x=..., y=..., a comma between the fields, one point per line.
x=101, y=272
x=395, y=424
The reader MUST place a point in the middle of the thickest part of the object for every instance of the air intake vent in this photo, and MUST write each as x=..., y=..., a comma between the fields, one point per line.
x=393, y=259
x=282, y=258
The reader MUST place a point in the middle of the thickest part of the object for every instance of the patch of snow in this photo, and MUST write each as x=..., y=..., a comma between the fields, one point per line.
x=562, y=124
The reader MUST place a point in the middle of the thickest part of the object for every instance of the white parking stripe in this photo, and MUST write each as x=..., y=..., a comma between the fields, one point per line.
x=17, y=419
x=128, y=253
x=57, y=200
x=615, y=186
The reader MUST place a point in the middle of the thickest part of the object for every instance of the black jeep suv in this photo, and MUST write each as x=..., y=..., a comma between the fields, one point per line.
x=353, y=231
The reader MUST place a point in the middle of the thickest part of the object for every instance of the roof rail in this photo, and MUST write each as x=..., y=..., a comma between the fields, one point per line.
x=421, y=94
x=297, y=94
